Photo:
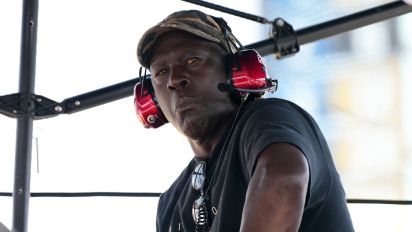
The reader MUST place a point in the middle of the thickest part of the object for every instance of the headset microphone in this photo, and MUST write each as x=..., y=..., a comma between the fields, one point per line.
x=224, y=87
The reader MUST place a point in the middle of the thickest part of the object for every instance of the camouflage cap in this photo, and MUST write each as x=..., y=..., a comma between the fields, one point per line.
x=192, y=21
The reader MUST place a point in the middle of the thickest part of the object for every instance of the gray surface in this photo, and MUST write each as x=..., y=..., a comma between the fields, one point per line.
x=3, y=228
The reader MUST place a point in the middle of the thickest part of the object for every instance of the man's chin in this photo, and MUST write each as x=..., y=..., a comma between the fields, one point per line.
x=192, y=128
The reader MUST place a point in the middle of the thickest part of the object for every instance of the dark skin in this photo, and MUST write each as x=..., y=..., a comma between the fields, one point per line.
x=185, y=73
x=187, y=95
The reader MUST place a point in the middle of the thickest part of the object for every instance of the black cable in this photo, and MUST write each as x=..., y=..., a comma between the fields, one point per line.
x=371, y=201
x=95, y=194
x=241, y=14
x=153, y=194
x=86, y=194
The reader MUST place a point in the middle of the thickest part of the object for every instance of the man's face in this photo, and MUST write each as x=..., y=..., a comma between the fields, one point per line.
x=185, y=73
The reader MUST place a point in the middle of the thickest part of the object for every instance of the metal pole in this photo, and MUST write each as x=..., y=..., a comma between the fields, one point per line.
x=353, y=21
x=22, y=171
x=339, y=25
x=264, y=47
x=99, y=96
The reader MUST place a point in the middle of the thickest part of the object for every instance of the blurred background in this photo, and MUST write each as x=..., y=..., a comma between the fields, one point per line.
x=357, y=85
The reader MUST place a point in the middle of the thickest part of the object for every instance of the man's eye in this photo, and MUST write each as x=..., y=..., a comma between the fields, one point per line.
x=192, y=60
x=160, y=73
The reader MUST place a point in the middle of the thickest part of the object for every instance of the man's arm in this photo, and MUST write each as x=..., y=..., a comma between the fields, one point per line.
x=276, y=194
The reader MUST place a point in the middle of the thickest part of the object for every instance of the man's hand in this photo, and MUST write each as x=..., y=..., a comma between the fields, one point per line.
x=276, y=194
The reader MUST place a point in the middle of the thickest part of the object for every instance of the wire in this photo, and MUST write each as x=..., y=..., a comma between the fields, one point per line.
x=87, y=194
x=371, y=201
x=153, y=194
x=241, y=14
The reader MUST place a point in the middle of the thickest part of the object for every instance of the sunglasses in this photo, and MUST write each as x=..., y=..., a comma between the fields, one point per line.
x=199, y=210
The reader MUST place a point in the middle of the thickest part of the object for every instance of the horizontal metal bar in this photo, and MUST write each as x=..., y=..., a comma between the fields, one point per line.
x=339, y=25
x=264, y=47
x=99, y=96
x=155, y=194
x=353, y=21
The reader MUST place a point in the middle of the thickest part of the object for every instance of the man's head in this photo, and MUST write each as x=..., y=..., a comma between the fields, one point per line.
x=186, y=56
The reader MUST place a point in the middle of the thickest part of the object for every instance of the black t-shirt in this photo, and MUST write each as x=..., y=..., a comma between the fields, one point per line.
x=259, y=124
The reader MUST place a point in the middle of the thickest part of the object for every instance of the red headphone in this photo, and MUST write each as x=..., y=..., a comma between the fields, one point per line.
x=247, y=74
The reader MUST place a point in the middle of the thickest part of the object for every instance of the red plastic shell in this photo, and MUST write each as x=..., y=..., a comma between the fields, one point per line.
x=146, y=109
x=248, y=70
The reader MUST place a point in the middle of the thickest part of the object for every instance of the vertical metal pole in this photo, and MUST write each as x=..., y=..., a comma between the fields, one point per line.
x=22, y=171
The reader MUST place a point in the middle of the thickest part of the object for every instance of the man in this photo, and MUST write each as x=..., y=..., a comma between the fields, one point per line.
x=259, y=165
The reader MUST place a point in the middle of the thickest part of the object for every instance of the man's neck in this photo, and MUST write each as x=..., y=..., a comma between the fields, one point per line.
x=203, y=148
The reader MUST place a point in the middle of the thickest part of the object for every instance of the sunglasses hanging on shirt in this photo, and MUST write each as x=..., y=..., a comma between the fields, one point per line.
x=199, y=208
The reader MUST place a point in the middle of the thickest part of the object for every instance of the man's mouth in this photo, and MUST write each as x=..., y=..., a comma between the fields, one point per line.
x=186, y=104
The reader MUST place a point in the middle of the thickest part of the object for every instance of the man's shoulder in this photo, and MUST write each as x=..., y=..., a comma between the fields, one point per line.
x=277, y=106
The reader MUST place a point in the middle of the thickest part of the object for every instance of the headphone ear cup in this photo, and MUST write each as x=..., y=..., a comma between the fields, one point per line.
x=248, y=70
x=147, y=109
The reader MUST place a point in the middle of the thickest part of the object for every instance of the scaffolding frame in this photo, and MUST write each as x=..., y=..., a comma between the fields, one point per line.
x=26, y=106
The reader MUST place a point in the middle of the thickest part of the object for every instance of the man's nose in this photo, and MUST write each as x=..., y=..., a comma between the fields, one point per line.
x=177, y=79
